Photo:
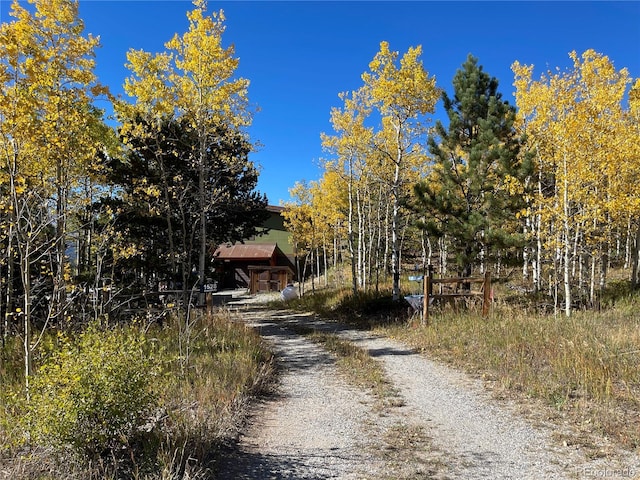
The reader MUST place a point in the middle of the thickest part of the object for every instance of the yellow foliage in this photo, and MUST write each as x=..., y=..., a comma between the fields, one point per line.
x=403, y=92
x=50, y=130
x=585, y=142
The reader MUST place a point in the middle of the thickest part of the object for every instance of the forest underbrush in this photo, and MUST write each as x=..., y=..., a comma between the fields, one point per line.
x=141, y=401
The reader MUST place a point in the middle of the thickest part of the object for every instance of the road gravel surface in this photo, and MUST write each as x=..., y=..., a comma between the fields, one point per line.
x=444, y=424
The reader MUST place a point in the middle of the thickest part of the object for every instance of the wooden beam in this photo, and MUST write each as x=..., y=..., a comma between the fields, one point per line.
x=426, y=295
x=459, y=280
x=457, y=295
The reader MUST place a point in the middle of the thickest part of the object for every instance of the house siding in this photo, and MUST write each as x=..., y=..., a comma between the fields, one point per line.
x=277, y=234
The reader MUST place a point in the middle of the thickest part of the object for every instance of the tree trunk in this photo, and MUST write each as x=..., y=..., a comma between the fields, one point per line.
x=203, y=220
x=168, y=212
x=592, y=281
x=442, y=252
x=25, y=267
x=525, y=249
x=375, y=242
x=627, y=244
x=395, y=249
x=361, y=243
x=313, y=252
x=300, y=277
x=567, y=236
x=635, y=259
x=59, y=287
x=537, y=267
x=9, y=280
x=350, y=232
x=326, y=265
x=385, y=232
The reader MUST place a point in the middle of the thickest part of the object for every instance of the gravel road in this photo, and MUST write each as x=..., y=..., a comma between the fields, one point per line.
x=446, y=425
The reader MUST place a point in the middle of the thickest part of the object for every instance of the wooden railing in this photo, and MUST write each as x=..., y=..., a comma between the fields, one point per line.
x=450, y=289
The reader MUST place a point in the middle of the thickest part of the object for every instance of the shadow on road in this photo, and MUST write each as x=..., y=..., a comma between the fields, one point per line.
x=248, y=465
x=383, y=352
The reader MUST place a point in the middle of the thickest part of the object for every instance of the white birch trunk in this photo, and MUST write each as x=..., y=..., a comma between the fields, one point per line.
x=567, y=233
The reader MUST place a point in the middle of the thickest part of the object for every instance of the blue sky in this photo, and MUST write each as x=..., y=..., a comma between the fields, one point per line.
x=300, y=55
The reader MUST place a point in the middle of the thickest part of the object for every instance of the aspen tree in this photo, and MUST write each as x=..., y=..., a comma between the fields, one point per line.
x=351, y=144
x=194, y=80
x=301, y=220
x=401, y=91
x=48, y=128
x=572, y=119
x=629, y=145
x=329, y=200
x=386, y=187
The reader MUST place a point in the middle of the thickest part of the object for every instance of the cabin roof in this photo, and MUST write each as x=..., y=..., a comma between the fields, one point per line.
x=251, y=251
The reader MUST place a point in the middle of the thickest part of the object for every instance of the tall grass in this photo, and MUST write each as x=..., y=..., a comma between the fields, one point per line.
x=228, y=363
x=364, y=309
x=198, y=403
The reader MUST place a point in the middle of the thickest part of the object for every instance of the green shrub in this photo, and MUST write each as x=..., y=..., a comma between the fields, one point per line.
x=132, y=402
x=97, y=395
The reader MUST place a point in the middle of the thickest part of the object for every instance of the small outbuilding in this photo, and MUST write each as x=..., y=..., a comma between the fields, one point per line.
x=257, y=267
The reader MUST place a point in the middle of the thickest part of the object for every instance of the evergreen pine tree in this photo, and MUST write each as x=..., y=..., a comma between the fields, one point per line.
x=475, y=189
x=158, y=203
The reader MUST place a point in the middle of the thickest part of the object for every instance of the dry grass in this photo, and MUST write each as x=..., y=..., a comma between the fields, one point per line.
x=356, y=364
x=583, y=370
x=406, y=449
x=410, y=454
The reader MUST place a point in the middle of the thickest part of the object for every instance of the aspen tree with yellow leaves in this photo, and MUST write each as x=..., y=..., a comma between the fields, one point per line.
x=313, y=218
x=351, y=145
x=630, y=143
x=329, y=200
x=49, y=138
x=380, y=163
x=301, y=221
x=583, y=141
x=193, y=81
x=401, y=91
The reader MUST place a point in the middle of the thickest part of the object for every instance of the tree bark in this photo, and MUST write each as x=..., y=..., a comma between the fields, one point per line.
x=567, y=236
x=203, y=218
x=635, y=259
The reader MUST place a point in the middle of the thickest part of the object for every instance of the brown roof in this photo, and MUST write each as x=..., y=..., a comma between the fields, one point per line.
x=275, y=209
x=246, y=252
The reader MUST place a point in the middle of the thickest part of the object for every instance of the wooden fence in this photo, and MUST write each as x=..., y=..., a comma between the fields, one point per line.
x=450, y=289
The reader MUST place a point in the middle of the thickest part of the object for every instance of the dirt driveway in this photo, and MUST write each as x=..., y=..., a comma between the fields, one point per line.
x=445, y=424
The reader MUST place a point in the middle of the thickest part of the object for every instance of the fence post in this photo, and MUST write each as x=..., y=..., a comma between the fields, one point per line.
x=486, y=297
x=426, y=295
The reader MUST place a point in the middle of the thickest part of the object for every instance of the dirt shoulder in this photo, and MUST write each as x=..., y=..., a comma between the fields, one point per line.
x=446, y=424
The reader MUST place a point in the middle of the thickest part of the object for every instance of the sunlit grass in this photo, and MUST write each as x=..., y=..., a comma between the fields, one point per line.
x=354, y=362
x=364, y=309
x=227, y=363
